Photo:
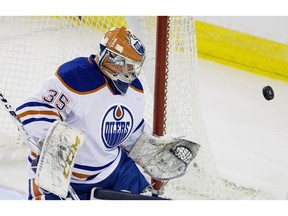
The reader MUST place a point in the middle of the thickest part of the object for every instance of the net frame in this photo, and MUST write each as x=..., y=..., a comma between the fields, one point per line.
x=160, y=91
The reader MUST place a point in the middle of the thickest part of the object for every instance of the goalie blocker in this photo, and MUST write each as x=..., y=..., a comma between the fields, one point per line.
x=163, y=158
x=57, y=158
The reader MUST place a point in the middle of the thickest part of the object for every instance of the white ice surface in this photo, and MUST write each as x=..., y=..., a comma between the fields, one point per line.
x=247, y=133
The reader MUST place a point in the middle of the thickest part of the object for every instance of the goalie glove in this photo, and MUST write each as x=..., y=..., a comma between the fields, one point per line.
x=161, y=158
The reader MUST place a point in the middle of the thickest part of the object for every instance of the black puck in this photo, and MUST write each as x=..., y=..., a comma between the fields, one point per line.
x=268, y=93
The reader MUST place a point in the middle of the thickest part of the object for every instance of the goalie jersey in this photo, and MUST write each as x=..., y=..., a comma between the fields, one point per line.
x=79, y=94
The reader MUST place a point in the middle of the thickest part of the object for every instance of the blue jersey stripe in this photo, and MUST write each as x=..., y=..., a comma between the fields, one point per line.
x=29, y=159
x=84, y=167
x=32, y=104
x=27, y=121
x=78, y=166
x=92, y=177
x=141, y=123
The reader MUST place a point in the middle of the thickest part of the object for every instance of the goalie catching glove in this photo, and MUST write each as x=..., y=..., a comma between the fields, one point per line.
x=163, y=158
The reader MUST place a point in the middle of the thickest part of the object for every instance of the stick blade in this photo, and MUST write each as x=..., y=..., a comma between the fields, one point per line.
x=105, y=194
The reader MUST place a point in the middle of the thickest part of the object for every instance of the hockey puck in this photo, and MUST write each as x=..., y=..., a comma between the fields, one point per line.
x=268, y=93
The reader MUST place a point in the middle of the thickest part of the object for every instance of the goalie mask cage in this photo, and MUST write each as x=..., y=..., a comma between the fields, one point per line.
x=32, y=48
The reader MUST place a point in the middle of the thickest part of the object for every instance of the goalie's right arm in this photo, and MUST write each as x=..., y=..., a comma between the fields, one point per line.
x=42, y=108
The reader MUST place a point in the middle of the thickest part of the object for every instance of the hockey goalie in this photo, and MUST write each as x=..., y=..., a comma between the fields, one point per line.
x=88, y=119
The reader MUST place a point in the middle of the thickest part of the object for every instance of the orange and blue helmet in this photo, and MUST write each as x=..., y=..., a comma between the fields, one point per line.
x=121, y=57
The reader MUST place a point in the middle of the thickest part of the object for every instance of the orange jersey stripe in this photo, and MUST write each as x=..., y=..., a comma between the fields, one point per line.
x=136, y=89
x=33, y=154
x=37, y=194
x=79, y=175
x=39, y=112
x=89, y=60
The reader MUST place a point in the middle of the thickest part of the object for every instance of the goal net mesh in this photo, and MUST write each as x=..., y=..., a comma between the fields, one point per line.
x=32, y=48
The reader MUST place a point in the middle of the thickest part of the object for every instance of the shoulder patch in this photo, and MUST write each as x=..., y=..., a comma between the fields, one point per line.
x=81, y=76
x=137, y=86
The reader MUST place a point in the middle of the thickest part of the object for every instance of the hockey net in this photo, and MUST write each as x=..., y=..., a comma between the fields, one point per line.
x=32, y=48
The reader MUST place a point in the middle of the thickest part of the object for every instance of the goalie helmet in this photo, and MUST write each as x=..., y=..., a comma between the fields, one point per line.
x=121, y=57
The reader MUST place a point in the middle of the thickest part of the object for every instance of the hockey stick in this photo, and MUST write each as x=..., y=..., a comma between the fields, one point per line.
x=29, y=139
x=105, y=194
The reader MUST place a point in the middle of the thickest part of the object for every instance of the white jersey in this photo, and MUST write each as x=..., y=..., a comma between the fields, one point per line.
x=82, y=96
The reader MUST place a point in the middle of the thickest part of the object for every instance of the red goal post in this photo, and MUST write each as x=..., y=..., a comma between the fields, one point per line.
x=160, y=82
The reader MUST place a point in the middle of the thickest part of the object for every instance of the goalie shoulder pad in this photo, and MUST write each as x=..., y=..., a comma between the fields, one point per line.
x=163, y=158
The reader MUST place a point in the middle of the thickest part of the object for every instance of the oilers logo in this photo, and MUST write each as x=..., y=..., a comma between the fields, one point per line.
x=116, y=126
x=137, y=45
